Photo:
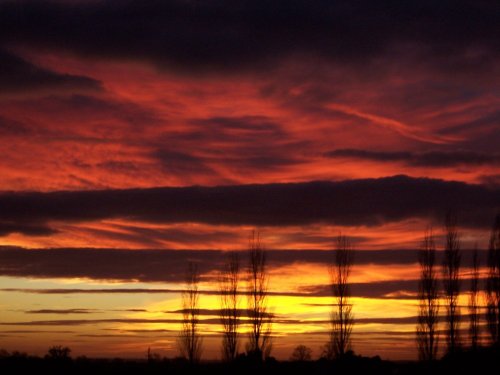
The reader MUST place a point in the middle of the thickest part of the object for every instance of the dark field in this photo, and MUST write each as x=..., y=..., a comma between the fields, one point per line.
x=482, y=361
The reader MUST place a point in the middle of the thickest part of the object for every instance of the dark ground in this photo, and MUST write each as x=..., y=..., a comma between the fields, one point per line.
x=471, y=363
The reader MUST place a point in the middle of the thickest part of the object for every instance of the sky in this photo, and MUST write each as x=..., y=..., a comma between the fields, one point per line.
x=137, y=136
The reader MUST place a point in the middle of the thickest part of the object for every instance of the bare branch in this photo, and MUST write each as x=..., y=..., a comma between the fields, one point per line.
x=190, y=341
x=451, y=283
x=427, y=337
x=259, y=345
x=229, y=302
x=342, y=319
x=473, y=301
x=493, y=284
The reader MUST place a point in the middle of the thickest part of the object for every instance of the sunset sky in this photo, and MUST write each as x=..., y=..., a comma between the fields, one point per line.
x=136, y=136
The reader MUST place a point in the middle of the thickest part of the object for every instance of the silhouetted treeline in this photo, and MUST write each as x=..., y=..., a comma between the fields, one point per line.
x=461, y=356
x=430, y=297
x=468, y=362
x=258, y=320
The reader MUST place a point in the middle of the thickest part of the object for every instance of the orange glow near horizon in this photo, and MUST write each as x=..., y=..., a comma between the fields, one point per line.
x=123, y=157
x=153, y=321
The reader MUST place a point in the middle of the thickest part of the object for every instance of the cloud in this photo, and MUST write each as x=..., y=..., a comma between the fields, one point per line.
x=108, y=264
x=181, y=163
x=27, y=229
x=244, y=313
x=98, y=291
x=242, y=143
x=390, y=289
x=79, y=322
x=20, y=76
x=397, y=126
x=158, y=236
x=249, y=128
x=212, y=321
x=170, y=265
x=9, y=126
x=368, y=202
x=226, y=36
x=37, y=331
x=62, y=311
x=492, y=180
x=433, y=159
x=94, y=109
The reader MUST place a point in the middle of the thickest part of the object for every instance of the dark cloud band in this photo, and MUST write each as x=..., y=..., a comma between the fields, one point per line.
x=170, y=265
x=368, y=202
x=20, y=76
x=423, y=159
x=226, y=35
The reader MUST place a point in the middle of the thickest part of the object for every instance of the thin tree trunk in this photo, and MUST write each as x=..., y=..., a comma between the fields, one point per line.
x=428, y=312
x=473, y=302
x=342, y=317
x=493, y=285
x=229, y=303
x=190, y=341
x=451, y=283
x=259, y=345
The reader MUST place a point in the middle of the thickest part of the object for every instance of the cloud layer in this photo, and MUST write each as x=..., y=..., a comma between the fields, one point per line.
x=422, y=159
x=169, y=266
x=174, y=124
x=21, y=76
x=356, y=202
x=227, y=36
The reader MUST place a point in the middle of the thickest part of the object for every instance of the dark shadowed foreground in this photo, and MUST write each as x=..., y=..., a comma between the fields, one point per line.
x=471, y=362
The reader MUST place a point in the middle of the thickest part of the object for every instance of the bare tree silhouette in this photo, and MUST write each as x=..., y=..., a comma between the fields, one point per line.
x=473, y=301
x=152, y=357
x=190, y=341
x=59, y=353
x=259, y=345
x=229, y=301
x=427, y=336
x=342, y=317
x=301, y=353
x=451, y=283
x=493, y=284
